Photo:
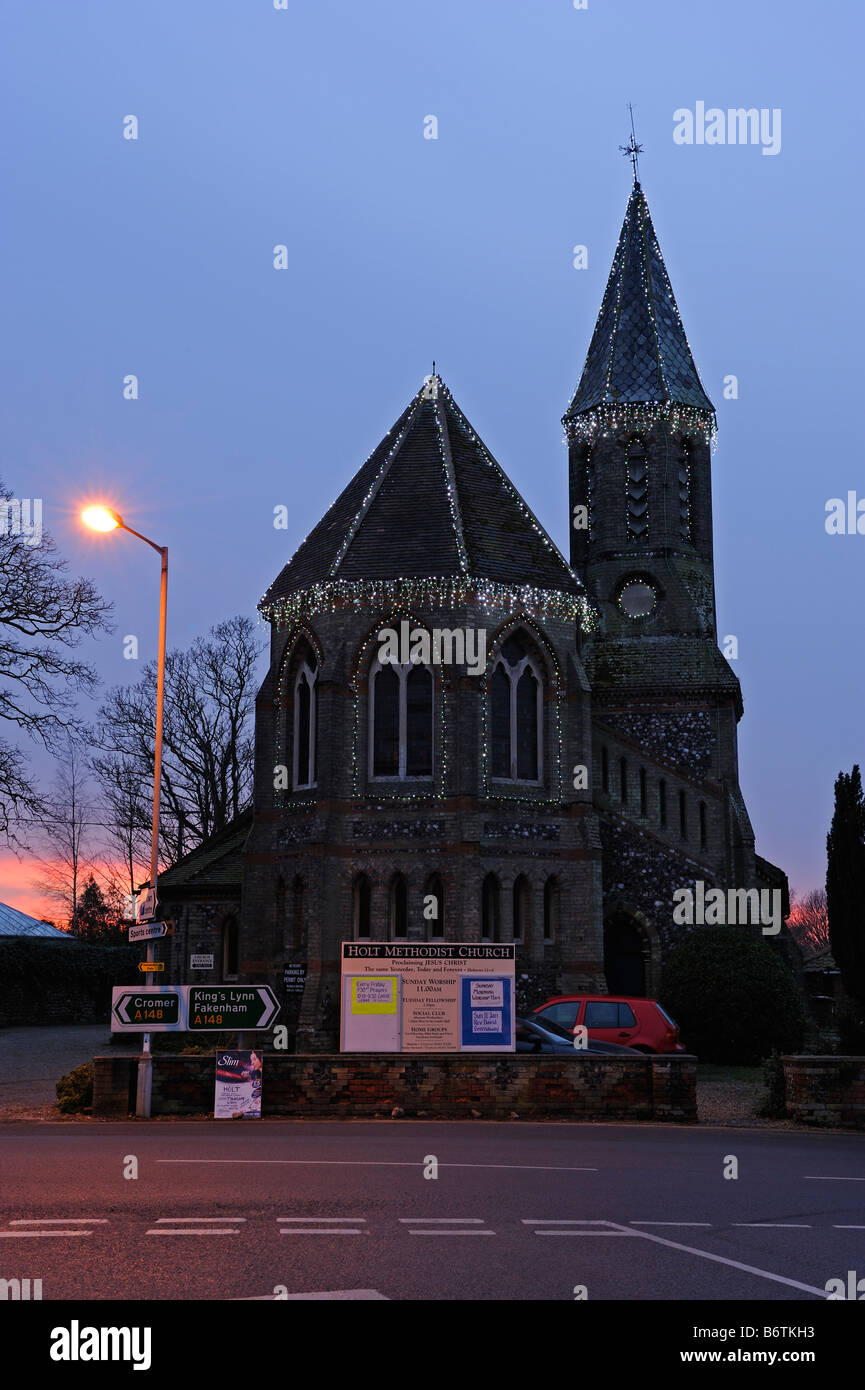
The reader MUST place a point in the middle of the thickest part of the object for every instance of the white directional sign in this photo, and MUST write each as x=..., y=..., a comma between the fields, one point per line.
x=145, y=907
x=197, y=1008
x=148, y=932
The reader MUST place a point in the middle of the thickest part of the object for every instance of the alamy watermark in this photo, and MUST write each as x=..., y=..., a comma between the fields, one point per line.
x=718, y=907
x=22, y=516
x=443, y=646
x=735, y=126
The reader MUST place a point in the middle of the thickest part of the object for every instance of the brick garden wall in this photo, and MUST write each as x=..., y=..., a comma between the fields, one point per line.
x=591, y=1088
x=826, y=1090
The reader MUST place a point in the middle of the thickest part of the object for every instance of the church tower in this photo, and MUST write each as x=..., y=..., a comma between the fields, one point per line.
x=666, y=702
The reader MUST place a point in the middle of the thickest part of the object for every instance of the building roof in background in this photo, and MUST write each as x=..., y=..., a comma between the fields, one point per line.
x=15, y=923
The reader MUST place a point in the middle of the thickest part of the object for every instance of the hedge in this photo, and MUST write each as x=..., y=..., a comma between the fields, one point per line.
x=44, y=981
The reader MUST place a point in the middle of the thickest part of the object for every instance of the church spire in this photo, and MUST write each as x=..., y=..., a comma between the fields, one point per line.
x=639, y=366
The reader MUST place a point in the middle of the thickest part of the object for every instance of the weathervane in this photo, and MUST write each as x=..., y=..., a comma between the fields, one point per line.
x=632, y=149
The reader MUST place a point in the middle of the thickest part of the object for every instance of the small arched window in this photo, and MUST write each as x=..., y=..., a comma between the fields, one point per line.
x=516, y=714
x=685, y=472
x=401, y=721
x=434, y=890
x=551, y=909
x=521, y=909
x=362, y=906
x=304, y=740
x=398, y=907
x=490, y=908
x=230, y=949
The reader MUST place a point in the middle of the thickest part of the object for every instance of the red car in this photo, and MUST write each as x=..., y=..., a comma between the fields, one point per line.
x=638, y=1023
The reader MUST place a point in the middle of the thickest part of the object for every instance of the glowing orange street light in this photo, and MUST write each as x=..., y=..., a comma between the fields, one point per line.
x=100, y=518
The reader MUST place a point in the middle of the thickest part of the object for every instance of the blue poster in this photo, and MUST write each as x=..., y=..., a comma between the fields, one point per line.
x=486, y=1015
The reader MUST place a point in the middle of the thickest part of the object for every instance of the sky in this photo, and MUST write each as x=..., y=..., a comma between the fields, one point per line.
x=303, y=127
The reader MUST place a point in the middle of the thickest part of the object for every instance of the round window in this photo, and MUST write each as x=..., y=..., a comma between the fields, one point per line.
x=637, y=599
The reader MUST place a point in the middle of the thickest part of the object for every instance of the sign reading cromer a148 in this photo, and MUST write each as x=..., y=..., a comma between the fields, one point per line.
x=150, y=1009
x=219, y=1007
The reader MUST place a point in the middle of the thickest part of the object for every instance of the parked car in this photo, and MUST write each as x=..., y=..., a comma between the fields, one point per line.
x=532, y=1036
x=640, y=1024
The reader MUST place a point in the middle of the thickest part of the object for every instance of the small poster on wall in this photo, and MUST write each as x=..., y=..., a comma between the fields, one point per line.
x=238, y=1086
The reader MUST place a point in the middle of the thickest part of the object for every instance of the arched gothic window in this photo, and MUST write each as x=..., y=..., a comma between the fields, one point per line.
x=521, y=909
x=433, y=889
x=551, y=908
x=516, y=713
x=304, y=731
x=398, y=907
x=401, y=721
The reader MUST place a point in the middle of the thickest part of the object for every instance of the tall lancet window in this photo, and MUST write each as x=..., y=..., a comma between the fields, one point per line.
x=304, y=722
x=401, y=721
x=638, y=490
x=686, y=463
x=516, y=710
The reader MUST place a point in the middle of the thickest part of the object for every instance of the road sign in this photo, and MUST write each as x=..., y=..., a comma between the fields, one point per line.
x=150, y=1009
x=149, y=932
x=151, y=965
x=202, y=961
x=213, y=1008
x=145, y=907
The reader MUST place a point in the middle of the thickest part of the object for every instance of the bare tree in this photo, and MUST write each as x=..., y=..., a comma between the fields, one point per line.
x=809, y=921
x=64, y=820
x=43, y=616
x=207, y=742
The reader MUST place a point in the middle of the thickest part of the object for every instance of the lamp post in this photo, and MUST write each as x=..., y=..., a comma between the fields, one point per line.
x=104, y=519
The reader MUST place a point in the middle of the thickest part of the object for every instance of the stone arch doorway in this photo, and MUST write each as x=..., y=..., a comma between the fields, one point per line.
x=627, y=956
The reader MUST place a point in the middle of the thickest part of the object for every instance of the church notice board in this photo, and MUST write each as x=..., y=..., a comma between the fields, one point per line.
x=427, y=997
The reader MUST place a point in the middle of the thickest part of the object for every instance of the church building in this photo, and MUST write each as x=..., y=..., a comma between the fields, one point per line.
x=464, y=735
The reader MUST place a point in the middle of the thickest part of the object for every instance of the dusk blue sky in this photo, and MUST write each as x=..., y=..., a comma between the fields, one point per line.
x=261, y=387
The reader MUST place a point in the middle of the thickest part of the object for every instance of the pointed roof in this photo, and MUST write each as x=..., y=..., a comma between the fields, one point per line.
x=430, y=501
x=639, y=353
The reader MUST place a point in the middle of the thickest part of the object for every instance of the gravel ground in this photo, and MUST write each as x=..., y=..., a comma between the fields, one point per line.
x=32, y=1061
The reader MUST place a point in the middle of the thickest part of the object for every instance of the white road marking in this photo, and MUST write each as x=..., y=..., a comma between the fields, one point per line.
x=383, y=1163
x=327, y=1231
x=61, y=1221
x=671, y=1223
x=198, y=1220
x=819, y=1177
x=588, y=1233
x=336, y=1294
x=209, y=1231
x=734, y=1264
x=441, y=1220
x=34, y=1235
x=848, y=1228
x=427, y=1232
x=317, y=1220
x=775, y=1225
x=543, y=1221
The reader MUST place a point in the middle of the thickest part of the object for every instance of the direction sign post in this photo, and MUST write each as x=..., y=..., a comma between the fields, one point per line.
x=217, y=1008
x=145, y=965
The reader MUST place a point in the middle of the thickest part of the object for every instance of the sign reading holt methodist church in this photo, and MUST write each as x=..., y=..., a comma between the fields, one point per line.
x=549, y=787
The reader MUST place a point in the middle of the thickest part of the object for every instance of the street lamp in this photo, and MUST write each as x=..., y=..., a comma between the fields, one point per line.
x=100, y=518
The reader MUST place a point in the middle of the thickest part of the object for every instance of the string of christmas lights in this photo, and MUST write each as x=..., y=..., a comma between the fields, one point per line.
x=435, y=593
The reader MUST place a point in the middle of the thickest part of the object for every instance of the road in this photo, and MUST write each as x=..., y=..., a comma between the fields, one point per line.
x=344, y=1209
